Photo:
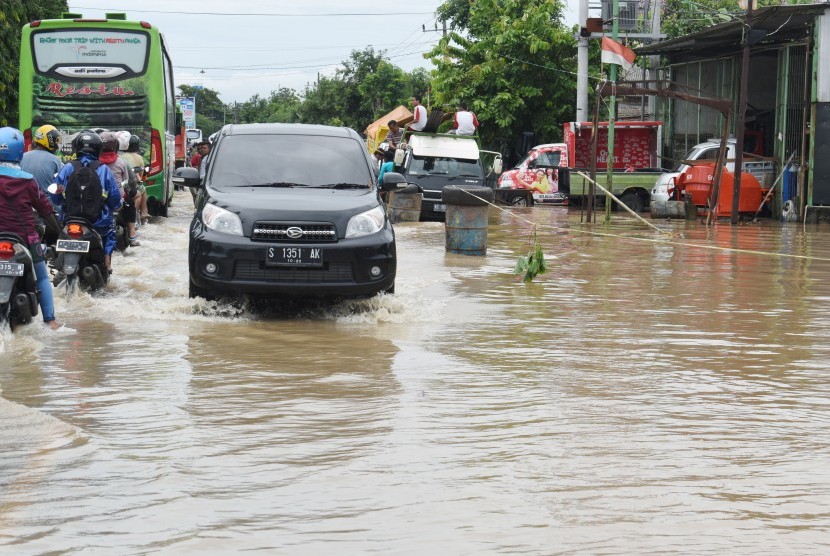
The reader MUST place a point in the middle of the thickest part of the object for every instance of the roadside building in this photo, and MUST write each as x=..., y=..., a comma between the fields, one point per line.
x=788, y=95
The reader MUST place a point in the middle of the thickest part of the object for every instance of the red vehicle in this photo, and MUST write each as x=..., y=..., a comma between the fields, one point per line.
x=539, y=172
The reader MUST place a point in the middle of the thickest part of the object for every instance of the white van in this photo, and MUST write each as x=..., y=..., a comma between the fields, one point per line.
x=193, y=136
x=703, y=151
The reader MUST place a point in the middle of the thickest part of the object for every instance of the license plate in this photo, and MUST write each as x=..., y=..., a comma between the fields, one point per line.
x=72, y=246
x=440, y=207
x=11, y=269
x=294, y=256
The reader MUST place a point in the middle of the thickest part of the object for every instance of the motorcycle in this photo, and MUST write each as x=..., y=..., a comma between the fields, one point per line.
x=18, y=283
x=79, y=256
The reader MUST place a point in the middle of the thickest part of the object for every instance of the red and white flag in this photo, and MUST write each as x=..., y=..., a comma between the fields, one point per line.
x=615, y=53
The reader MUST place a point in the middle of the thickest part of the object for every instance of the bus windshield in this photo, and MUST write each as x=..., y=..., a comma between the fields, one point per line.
x=90, y=53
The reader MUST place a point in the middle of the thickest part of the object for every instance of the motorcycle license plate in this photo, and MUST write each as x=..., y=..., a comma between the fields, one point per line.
x=11, y=269
x=440, y=207
x=72, y=246
x=294, y=256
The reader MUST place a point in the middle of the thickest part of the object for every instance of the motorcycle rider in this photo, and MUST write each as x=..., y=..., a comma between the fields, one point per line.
x=125, y=178
x=87, y=147
x=41, y=161
x=19, y=195
x=131, y=155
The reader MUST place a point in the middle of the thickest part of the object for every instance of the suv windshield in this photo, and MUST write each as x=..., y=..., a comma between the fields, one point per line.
x=441, y=166
x=289, y=160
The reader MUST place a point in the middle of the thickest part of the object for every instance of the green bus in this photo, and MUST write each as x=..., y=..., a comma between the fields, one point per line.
x=80, y=73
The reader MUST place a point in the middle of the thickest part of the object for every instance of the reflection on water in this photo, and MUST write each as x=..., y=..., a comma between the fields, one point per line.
x=639, y=397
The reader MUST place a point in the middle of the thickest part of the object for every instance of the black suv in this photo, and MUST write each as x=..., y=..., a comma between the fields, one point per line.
x=289, y=209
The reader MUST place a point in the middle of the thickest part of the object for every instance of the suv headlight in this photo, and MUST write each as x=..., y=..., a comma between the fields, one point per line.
x=366, y=223
x=221, y=220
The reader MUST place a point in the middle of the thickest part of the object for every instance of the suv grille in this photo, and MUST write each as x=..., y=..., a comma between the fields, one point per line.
x=300, y=232
x=331, y=272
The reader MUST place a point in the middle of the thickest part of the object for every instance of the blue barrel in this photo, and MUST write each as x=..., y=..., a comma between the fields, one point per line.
x=466, y=219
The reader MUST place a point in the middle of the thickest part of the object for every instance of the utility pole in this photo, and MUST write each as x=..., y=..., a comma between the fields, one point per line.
x=741, y=121
x=582, y=66
x=612, y=113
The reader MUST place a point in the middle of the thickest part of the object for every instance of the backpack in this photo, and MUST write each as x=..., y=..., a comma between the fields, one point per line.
x=84, y=195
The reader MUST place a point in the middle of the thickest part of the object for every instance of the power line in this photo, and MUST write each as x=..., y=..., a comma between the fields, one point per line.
x=225, y=14
x=257, y=67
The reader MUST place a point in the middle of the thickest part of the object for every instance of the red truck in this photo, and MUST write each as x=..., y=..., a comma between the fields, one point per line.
x=635, y=164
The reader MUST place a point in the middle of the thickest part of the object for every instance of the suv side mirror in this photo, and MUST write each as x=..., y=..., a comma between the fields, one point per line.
x=392, y=181
x=186, y=176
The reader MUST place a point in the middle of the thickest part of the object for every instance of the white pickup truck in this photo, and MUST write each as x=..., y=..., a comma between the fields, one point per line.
x=763, y=170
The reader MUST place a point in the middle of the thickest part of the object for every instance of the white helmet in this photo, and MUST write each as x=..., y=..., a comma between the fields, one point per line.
x=123, y=140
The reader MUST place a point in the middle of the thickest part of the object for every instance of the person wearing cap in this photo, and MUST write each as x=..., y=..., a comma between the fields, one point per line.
x=388, y=164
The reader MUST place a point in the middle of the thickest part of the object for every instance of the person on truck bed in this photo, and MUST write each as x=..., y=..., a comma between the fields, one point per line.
x=464, y=122
x=419, y=121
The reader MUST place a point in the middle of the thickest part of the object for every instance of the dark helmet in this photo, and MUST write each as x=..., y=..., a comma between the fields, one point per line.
x=87, y=142
x=109, y=142
x=134, y=143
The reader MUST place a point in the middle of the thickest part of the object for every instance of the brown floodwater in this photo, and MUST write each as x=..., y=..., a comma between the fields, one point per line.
x=643, y=396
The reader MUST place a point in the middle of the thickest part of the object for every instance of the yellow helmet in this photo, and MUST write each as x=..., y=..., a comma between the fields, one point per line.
x=48, y=137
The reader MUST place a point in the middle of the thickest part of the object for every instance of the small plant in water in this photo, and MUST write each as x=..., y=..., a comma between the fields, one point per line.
x=533, y=264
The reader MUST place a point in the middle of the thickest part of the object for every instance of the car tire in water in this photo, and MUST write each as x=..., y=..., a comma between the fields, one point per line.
x=520, y=201
x=195, y=291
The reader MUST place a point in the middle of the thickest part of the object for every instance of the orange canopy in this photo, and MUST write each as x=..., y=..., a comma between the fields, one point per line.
x=377, y=130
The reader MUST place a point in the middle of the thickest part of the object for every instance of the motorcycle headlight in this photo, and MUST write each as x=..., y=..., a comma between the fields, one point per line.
x=221, y=220
x=366, y=223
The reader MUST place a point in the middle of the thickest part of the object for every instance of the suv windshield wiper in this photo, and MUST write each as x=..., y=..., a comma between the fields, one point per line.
x=344, y=185
x=279, y=184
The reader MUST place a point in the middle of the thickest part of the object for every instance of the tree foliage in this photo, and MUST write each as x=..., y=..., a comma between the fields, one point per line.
x=512, y=61
x=363, y=89
x=13, y=16
x=682, y=17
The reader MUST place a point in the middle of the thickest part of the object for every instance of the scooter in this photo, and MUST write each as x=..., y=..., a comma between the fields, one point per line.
x=18, y=283
x=80, y=256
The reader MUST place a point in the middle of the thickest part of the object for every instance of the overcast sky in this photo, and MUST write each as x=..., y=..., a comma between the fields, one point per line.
x=238, y=49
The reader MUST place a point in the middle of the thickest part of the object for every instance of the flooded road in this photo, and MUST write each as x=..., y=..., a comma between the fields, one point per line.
x=640, y=397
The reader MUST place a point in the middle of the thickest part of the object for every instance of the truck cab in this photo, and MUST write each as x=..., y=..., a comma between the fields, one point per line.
x=436, y=160
x=540, y=171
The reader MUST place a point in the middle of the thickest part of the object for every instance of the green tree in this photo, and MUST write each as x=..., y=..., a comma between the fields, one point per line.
x=283, y=106
x=363, y=89
x=13, y=16
x=514, y=64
